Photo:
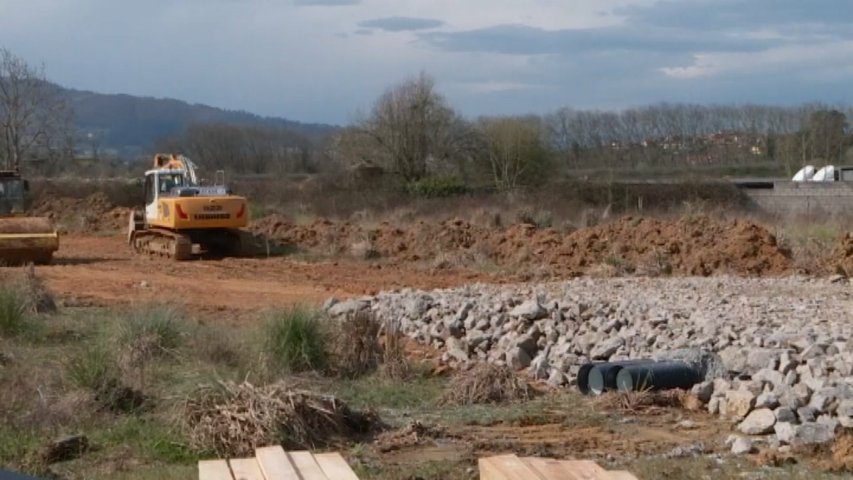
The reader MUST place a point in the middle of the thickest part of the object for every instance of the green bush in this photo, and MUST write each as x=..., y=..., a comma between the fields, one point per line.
x=437, y=187
x=13, y=317
x=296, y=340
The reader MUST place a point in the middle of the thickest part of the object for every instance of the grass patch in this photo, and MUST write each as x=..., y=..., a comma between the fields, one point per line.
x=13, y=317
x=296, y=340
x=375, y=391
x=161, y=328
x=429, y=470
x=149, y=436
x=568, y=408
x=93, y=368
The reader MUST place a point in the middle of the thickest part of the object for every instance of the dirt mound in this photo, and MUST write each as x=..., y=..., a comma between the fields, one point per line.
x=91, y=214
x=693, y=246
x=841, y=259
x=697, y=245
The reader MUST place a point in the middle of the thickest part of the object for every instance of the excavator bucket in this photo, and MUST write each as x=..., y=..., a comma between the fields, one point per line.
x=27, y=240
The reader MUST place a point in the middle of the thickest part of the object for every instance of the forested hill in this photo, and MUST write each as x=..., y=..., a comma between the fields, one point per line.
x=130, y=124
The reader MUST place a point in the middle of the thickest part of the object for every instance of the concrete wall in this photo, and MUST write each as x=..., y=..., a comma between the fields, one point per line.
x=804, y=199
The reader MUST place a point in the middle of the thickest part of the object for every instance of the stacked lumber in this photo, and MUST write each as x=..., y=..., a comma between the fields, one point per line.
x=273, y=463
x=510, y=467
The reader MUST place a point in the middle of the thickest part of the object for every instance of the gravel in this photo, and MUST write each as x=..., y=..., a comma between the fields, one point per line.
x=781, y=347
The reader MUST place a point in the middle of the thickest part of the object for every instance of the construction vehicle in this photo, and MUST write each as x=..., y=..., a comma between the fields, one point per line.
x=23, y=239
x=182, y=218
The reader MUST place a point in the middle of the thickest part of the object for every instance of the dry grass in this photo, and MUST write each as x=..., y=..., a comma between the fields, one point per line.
x=645, y=401
x=231, y=419
x=395, y=363
x=486, y=384
x=35, y=297
x=357, y=350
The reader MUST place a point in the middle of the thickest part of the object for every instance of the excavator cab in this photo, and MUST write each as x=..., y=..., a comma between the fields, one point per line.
x=12, y=189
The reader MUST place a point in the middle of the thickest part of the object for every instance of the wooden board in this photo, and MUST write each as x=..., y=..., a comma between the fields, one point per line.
x=334, y=466
x=214, y=470
x=568, y=469
x=246, y=469
x=507, y=467
x=307, y=467
x=275, y=464
x=621, y=475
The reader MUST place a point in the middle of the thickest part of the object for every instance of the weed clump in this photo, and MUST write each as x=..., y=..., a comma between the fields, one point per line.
x=13, y=316
x=486, y=384
x=232, y=419
x=357, y=347
x=296, y=339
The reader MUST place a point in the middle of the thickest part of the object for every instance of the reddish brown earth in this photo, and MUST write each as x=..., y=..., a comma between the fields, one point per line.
x=691, y=245
x=102, y=270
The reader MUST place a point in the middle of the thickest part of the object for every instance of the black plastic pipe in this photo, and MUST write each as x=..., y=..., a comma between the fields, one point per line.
x=602, y=377
x=657, y=376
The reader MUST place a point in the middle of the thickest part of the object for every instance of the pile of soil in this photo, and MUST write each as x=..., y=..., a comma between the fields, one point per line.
x=841, y=258
x=698, y=245
x=91, y=214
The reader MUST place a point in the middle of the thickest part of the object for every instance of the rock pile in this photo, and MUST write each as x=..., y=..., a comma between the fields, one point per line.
x=777, y=353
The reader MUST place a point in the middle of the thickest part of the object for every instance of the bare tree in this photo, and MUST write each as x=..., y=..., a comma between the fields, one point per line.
x=412, y=127
x=515, y=150
x=35, y=120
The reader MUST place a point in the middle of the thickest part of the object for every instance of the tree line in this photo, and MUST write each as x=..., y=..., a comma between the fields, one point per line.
x=413, y=134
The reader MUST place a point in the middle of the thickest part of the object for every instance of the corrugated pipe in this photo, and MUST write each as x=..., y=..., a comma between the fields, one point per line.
x=626, y=375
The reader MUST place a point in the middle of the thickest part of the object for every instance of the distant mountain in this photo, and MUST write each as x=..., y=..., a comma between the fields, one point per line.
x=129, y=125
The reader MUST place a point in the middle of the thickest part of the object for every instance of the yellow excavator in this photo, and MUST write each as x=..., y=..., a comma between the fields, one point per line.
x=23, y=239
x=182, y=218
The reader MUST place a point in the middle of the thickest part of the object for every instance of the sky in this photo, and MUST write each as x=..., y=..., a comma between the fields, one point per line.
x=328, y=60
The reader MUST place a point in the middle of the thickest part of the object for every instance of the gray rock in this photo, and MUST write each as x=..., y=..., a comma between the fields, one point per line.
x=457, y=349
x=739, y=403
x=812, y=434
x=557, y=378
x=708, y=364
x=822, y=399
x=807, y=414
x=759, y=358
x=742, y=446
x=767, y=400
x=734, y=358
x=773, y=377
x=703, y=391
x=785, y=431
x=529, y=310
x=329, y=303
x=517, y=358
x=347, y=307
x=785, y=414
x=605, y=349
x=758, y=422
x=845, y=413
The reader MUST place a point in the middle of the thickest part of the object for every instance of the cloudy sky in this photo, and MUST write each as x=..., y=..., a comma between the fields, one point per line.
x=327, y=60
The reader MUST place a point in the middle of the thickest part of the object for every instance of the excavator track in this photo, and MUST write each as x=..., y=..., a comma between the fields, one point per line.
x=164, y=243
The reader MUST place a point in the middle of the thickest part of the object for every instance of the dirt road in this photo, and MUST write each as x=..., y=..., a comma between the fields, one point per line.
x=101, y=270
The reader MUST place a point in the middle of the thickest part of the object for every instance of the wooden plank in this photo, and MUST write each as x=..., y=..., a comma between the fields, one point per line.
x=275, y=465
x=585, y=470
x=246, y=469
x=567, y=469
x=334, y=466
x=550, y=469
x=306, y=466
x=214, y=470
x=507, y=467
x=620, y=475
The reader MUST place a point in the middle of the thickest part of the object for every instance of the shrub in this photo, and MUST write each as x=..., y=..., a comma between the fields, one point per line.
x=436, y=187
x=295, y=340
x=13, y=317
